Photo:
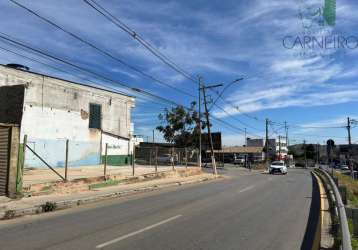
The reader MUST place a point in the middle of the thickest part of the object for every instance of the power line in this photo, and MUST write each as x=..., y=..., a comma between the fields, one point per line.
x=145, y=93
x=132, y=33
x=132, y=89
x=236, y=107
x=228, y=125
x=69, y=73
x=323, y=136
x=99, y=49
x=120, y=24
x=281, y=123
x=318, y=127
x=234, y=118
x=231, y=115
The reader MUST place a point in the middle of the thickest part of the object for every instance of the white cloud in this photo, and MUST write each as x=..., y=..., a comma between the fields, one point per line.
x=246, y=39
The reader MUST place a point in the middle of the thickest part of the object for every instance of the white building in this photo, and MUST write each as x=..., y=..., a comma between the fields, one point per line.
x=50, y=111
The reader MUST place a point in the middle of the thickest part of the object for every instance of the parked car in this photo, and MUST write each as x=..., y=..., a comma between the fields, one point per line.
x=344, y=167
x=278, y=167
x=239, y=160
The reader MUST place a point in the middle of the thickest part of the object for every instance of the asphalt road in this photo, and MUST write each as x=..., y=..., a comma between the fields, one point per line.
x=245, y=211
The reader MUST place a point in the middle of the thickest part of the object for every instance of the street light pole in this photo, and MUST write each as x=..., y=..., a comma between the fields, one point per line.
x=222, y=92
x=209, y=134
x=208, y=125
x=203, y=88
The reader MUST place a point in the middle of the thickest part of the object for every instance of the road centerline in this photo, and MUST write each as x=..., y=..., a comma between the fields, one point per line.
x=137, y=232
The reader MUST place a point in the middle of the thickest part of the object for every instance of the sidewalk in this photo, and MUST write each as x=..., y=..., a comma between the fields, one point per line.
x=45, y=181
x=43, y=175
x=46, y=203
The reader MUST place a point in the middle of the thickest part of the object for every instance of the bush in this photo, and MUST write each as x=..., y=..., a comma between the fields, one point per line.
x=48, y=206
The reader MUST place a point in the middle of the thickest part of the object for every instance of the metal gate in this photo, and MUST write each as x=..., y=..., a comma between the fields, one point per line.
x=4, y=158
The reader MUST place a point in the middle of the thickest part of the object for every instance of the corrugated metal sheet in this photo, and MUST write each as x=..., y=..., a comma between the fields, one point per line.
x=4, y=158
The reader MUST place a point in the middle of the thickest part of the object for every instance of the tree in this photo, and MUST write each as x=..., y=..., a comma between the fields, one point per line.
x=181, y=126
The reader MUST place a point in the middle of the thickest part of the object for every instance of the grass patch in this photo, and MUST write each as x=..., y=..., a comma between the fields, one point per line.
x=106, y=183
x=354, y=240
x=352, y=187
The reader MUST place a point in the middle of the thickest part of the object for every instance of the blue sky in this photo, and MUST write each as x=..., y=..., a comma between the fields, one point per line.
x=219, y=40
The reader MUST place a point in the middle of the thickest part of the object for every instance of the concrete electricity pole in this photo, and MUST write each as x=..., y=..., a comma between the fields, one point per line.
x=304, y=147
x=208, y=125
x=245, y=138
x=266, y=143
x=349, y=145
x=349, y=131
x=199, y=107
x=286, y=129
x=279, y=147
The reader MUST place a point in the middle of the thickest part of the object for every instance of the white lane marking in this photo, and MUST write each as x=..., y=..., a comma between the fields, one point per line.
x=137, y=232
x=246, y=189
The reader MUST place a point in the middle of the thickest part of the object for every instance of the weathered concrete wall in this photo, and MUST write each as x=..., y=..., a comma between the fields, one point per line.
x=56, y=110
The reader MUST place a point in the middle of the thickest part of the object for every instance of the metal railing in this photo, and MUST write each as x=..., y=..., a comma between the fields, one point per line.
x=346, y=237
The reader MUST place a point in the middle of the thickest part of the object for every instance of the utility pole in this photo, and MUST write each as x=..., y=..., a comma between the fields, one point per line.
x=266, y=143
x=153, y=136
x=199, y=106
x=304, y=147
x=279, y=147
x=349, y=131
x=349, y=145
x=245, y=138
x=208, y=125
x=286, y=129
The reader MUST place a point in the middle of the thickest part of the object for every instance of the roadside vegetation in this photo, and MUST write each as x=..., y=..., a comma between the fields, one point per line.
x=353, y=239
x=352, y=199
x=352, y=188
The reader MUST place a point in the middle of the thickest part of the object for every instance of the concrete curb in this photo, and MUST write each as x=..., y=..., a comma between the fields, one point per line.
x=50, y=206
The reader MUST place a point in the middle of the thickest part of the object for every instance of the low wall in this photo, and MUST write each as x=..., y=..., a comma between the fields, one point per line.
x=54, y=153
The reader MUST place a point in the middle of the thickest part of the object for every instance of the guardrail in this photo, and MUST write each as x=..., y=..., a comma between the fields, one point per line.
x=346, y=237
